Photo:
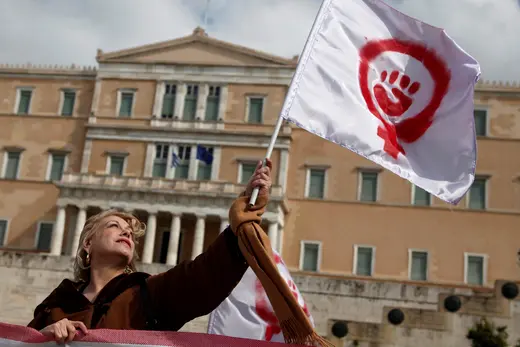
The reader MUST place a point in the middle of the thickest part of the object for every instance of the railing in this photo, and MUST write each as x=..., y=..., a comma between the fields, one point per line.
x=154, y=183
x=183, y=124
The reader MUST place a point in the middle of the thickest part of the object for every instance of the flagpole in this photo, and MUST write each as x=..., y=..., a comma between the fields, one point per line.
x=288, y=99
x=270, y=148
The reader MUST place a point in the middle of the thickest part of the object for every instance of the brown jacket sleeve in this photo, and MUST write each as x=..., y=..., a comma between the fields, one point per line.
x=195, y=288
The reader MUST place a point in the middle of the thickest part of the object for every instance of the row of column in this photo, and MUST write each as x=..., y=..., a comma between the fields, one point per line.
x=151, y=230
x=180, y=95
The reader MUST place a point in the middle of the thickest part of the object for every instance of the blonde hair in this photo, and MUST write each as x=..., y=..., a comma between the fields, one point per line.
x=81, y=267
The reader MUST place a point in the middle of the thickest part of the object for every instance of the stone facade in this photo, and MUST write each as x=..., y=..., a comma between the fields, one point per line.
x=363, y=304
x=116, y=129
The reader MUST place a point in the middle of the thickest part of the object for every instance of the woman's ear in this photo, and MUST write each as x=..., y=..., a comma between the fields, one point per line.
x=86, y=245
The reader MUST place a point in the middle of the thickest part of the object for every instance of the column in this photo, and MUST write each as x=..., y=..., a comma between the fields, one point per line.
x=202, y=99
x=179, y=100
x=148, y=161
x=222, y=106
x=80, y=223
x=192, y=173
x=223, y=224
x=95, y=101
x=85, y=159
x=173, y=243
x=283, y=169
x=58, y=231
x=149, y=238
x=272, y=232
x=215, y=166
x=170, y=170
x=159, y=96
x=198, y=238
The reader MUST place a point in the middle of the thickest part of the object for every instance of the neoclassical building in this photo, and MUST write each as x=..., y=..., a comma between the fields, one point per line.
x=172, y=131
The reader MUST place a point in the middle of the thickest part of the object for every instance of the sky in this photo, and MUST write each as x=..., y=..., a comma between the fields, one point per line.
x=70, y=31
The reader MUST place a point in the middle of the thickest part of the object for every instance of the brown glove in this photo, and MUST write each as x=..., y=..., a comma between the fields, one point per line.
x=240, y=211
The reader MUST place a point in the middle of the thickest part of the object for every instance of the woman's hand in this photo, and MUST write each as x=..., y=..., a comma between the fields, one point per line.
x=261, y=179
x=64, y=330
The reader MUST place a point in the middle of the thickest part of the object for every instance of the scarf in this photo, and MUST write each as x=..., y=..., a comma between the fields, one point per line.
x=256, y=248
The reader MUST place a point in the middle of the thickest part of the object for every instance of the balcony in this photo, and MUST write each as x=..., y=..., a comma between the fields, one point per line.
x=162, y=194
x=177, y=123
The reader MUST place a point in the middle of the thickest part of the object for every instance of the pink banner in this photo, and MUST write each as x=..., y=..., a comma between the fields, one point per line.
x=19, y=336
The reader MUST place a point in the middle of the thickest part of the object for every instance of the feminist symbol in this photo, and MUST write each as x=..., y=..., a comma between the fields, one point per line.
x=411, y=129
x=264, y=310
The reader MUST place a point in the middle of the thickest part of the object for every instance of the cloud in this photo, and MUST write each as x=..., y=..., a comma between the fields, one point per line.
x=64, y=31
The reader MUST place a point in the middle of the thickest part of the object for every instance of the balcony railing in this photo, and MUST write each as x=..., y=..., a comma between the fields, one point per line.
x=76, y=180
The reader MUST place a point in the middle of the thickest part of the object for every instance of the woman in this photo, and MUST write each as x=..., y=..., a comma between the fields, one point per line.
x=108, y=292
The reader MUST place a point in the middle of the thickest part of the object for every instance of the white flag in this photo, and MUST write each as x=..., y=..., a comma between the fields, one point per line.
x=247, y=312
x=392, y=89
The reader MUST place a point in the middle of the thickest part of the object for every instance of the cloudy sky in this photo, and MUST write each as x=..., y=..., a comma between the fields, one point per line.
x=70, y=31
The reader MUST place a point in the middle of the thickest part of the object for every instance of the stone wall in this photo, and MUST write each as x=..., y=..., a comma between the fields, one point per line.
x=363, y=304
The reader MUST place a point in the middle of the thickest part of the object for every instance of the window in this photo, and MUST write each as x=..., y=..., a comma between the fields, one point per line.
x=421, y=197
x=127, y=103
x=255, y=111
x=480, y=122
x=368, y=189
x=57, y=166
x=24, y=101
x=117, y=165
x=190, y=102
x=212, y=103
x=315, y=183
x=418, y=265
x=204, y=169
x=69, y=98
x=183, y=166
x=477, y=194
x=364, y=260
x=246, y=171
x=168, y=109
x=475, y=267
x=3, y=232
x=310, y=256
x=161, y=160
x=12, y=164
x=44, y=236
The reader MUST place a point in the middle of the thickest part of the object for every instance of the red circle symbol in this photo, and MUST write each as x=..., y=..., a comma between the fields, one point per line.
x=410, y=129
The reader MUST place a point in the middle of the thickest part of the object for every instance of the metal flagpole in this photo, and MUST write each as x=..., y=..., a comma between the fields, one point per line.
x=321, y=13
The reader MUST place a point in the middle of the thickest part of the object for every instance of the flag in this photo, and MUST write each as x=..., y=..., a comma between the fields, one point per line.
x=204, y=154
x=392, y=89
x=20, y=336
x=247, y=312
x=175, y=160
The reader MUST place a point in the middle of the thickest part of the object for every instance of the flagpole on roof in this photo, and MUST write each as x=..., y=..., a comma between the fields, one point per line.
x=324, y=5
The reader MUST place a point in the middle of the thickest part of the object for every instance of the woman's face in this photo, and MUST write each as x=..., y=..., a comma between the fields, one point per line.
x=112, y=242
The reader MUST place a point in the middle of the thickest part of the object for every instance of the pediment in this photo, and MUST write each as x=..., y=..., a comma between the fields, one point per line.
x=196, y=49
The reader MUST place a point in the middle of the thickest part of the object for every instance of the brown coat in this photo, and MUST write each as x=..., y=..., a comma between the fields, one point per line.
x=172, y=298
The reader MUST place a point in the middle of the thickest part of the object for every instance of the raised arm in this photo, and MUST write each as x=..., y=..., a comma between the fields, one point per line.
x=195, y=288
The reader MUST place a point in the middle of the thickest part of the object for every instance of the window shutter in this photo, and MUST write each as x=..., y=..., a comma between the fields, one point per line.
x=317, y=184
x=57, y=167
x=310, y=257
x=369, y=186
x=419, y=266
x=13, y=161
x=256, y=106
x=125, y=109
x=45, y=236
x=68, y=103
x=364, y=261
x=3, y=231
